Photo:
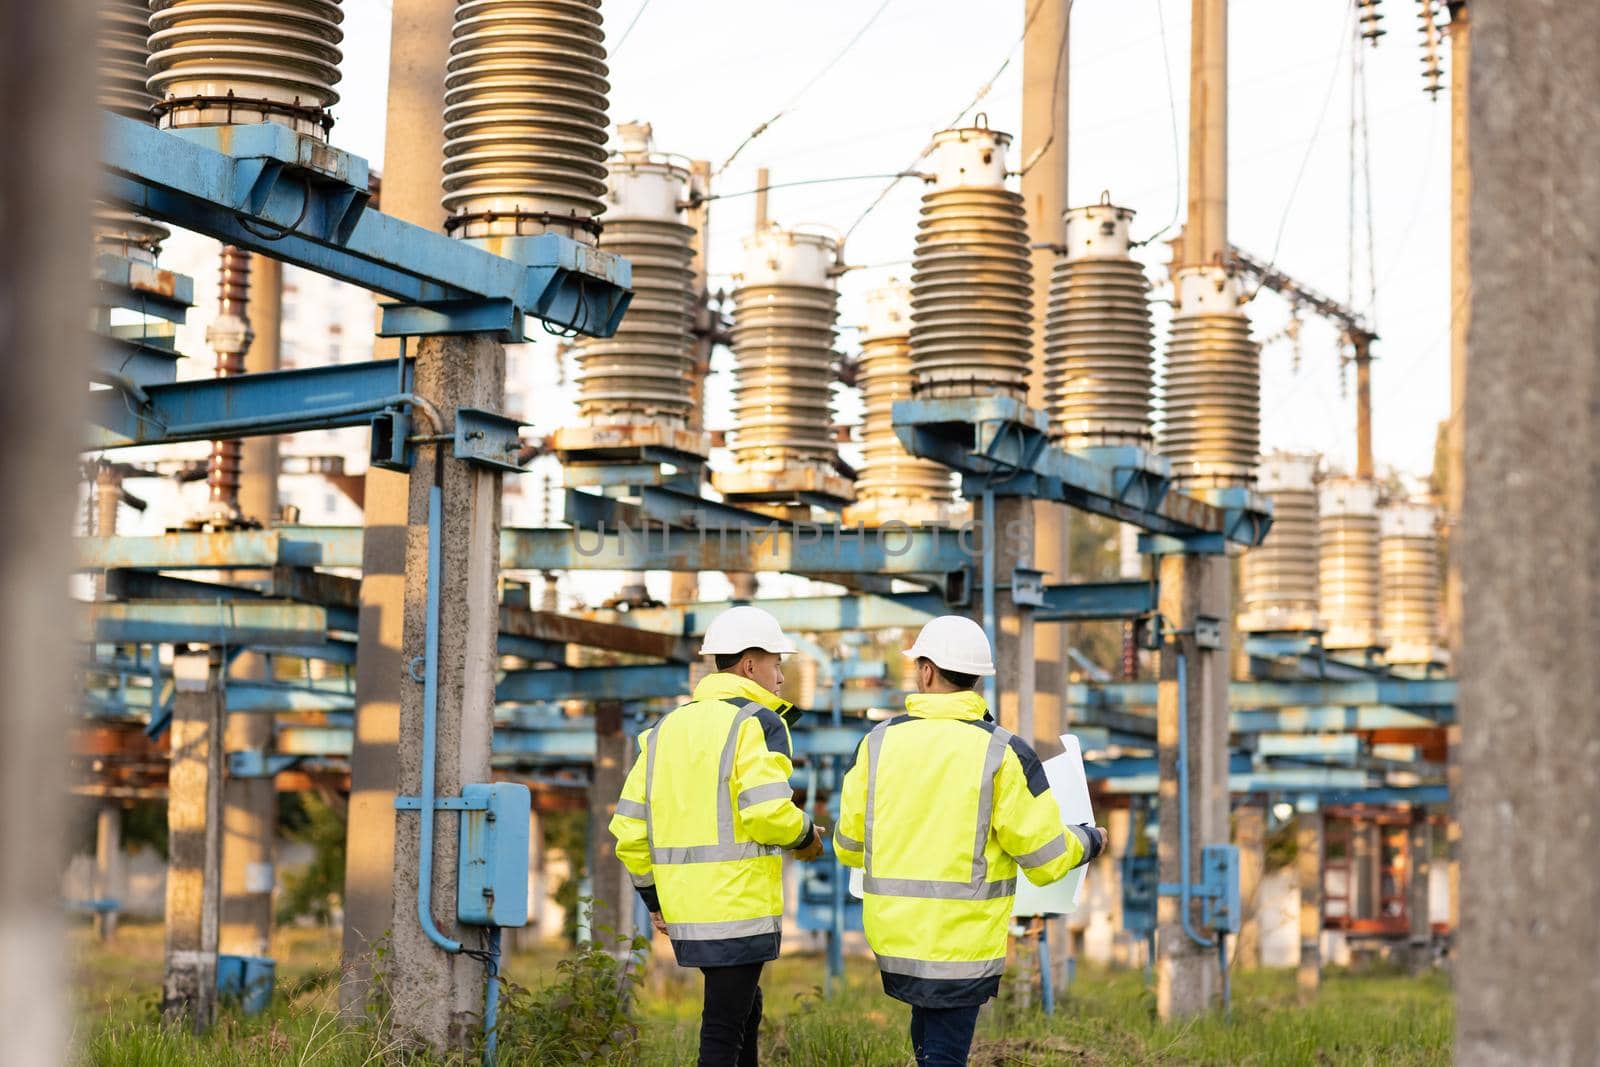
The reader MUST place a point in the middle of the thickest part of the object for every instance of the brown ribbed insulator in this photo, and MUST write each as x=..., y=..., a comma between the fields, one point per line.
x=124, y=49
x=783, y=320
x=230, y=336
x=971, y=306
x=1279, y=577
x=889, y=475
x=525, y=118
x=1347, y=531
x=234, y=62
x=645, y=373
x=1097, y=340
x=1211, y=411
x=1409, y=582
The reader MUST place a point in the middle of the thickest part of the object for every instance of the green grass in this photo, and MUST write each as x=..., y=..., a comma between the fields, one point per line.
x=1106, y=1018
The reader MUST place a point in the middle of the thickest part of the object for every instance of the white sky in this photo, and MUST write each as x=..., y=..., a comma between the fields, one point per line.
x=706, y=72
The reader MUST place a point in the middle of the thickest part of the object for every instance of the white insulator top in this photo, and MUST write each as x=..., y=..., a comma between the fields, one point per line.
x=1348, y=496
x=786, y=257
x=972, y=157
x=635, y=138
x=1287, y=472
x=1408, y=519
x=646, y=188
x=1208, y=290
x=1099, y=231
x=888, y=311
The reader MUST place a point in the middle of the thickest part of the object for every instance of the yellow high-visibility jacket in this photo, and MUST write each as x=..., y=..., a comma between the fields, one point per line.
x=704, y=814
x=941, y=808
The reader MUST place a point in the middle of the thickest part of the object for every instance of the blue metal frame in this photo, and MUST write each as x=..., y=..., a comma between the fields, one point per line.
x=269, y=190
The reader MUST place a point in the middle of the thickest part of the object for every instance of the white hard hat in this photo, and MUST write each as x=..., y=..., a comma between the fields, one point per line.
x=744, y=627
x=954, y=643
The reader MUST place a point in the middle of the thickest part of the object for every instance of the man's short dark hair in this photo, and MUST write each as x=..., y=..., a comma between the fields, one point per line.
x=726, y=660
x=955, y=678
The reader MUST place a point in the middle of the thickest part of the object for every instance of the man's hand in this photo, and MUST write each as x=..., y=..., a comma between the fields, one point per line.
x=811, y=849
x=658, y=922
x=1105, y=839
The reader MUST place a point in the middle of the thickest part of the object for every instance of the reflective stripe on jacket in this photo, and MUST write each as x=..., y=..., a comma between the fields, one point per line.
x=703, y=816
x=941, y=808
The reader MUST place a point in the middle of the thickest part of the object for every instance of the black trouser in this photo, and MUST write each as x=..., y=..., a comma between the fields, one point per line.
x=942, y=1037
x=732, y=1016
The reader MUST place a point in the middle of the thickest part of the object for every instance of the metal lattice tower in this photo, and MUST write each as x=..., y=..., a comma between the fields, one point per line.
x=784, y=306
x=1097, y=340
x=231, y=62
x=1211, y=414
x=971, y=281
x=1347, y=530
x=892, y=483
x=645, y=373
x=1279, y=578
x=1410, y=589
x=525, y=119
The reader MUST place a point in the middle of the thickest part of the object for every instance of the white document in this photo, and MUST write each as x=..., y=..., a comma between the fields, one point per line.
x=1071, y=789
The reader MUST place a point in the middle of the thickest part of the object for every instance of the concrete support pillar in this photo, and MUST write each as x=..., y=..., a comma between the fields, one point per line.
x=438, y=997
x=419, y=45
x=685, y=585
x=1116, y=823
x=1187, y=978
x=1015, y=677
x=1528, y=976
x=1045, y=83
x=612, y=917
x=50, y=130
x=107, y=865
x=1205, y=227
x=1250, y=835
x=1419, y=864
x=1308, y=871
x=194, y=842
x=528, y=937
x=250, y=805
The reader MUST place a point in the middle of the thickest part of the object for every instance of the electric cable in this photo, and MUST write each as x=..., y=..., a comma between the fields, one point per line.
x=634, y=22
x=795, y=99
x=1172, y=113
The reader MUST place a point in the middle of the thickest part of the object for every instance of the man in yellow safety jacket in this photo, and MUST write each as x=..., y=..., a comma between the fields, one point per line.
x=940, y=809
x=704, y=815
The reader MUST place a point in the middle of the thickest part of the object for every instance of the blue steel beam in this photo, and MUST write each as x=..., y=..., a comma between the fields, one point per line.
x=234, y=623
x=1434, y=696
x=1293, y=780
x=142, y=364
x=1316, y=720
x=270, y=402
x=595, y=683
x=143, y=287
x=1389, y=796
x=1101, y=770
x=266, y=189
x=1000, y=443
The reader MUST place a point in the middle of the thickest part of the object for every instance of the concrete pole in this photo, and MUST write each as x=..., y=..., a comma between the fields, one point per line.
x=1015, y=678
x=107, y=865
x=1205, y=229
x=1455, y=476
x=1363, y=360
x=438, y=997
x=1116, y=823
x=1308, y=871
x=194, y=842
x=50, y=129
x=419, y=45
x=1191, y=586
x=1250, y=835
x=612, y=917
x=1528, y=976
x=1419, y=864
x=250, y=805
x=1045, y=82
x=763, y=178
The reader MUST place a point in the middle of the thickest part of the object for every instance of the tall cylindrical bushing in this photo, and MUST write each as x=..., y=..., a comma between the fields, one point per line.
x=1211, y=412
x=1097, y=340
x=971, y=287
x=233, y=62
x=891, y=479
x=525, y=119
x=1410, y=588
x=1279, y=577
x=124, y=39
x=784, y=305
x=645, y=373
x=1347, y=530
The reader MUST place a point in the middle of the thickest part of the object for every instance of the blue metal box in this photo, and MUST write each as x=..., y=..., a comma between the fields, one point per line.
x=1219, y=867
x=492, y=886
